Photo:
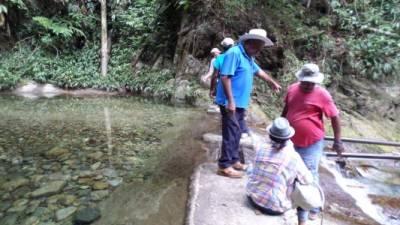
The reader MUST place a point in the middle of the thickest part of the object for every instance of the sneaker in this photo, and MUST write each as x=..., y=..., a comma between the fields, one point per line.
x=229, y=172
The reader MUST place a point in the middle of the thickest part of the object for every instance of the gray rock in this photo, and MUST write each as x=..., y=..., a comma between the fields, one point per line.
x=95, y=156
x=15, y=183
x=64, y=213
x=87, y=215
x=99, y=195
x=18, y=206
x=10, y=219
x=42, y=213
x=4, y=205
x=51, y=188
x=56, y=152
x=33, y=220
x=59, y=176
x=115, y=181
x=108, y=172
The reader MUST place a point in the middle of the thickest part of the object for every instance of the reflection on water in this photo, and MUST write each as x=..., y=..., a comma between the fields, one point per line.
x=373, y=184
x=60, y=155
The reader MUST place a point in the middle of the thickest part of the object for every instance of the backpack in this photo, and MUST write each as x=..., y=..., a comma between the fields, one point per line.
x=307, y=196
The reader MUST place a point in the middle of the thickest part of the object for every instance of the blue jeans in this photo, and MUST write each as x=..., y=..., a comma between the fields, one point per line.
x=231, y=133
x=311, y=156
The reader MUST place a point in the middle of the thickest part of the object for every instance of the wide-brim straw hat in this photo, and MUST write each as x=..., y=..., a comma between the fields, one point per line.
x=257, y=34
x=280, y=129
x=310, y=73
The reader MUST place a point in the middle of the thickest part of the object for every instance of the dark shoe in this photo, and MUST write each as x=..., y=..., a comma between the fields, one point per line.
x=229, y=172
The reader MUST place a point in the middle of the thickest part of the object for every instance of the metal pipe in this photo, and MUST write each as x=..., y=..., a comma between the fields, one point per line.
x=363, y=155
x=366, y=141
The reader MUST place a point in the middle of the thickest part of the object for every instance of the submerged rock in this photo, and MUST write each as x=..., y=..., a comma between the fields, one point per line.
x=99, y=195
x=51, y=188
x=86, y=216
x=56, y=152
x=15, y=183
x=64, y=213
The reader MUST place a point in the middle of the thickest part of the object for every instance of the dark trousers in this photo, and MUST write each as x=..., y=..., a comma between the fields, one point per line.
x=231, y=133
x=264, y=210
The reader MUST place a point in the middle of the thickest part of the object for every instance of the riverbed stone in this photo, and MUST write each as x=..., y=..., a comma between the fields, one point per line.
x=87, y=215
x=65, y=213
x=86, y=173
x=114, y=182
x=32, y=220
x=96, y=155
x=100, y=185
x=109, y=172
x=56, y=152
x=49, y=189
x=85, y=181
x=9, y=219
x=68, y=200
x=4, y=205
x=99, y=195
x=33, y=205
x=95, y=166
x=19, y=205
x=15, y=183
x=59, y=176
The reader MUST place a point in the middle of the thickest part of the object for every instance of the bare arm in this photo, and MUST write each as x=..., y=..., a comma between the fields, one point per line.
x=264, y=76
x=226, y=83
x=284, y=111
x=210, y=72
x=213, y=83
x=337, y=144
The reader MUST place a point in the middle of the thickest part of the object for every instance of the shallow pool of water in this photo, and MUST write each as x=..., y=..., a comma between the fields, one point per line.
x=60, y=155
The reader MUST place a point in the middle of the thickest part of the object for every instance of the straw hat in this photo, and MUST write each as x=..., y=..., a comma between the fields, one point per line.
x=257, y=34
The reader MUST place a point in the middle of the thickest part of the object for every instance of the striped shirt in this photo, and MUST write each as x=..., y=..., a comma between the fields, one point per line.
x=271, y=180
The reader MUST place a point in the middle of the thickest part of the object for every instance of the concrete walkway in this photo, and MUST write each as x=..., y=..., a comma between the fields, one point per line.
x=218, y=200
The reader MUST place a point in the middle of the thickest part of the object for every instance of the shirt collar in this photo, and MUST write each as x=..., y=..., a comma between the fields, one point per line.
x=241, y=47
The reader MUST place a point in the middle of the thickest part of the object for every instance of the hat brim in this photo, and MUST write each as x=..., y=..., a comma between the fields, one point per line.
x=291, y=133
x=313, y=79
x=267, y=41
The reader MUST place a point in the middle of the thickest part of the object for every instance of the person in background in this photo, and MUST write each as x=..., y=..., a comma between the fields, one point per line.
x=227, y=43
x=305, y=104
x=233, y=96
x=275, y=170
x=214, y=53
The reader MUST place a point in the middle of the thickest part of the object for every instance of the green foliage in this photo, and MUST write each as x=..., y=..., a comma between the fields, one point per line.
x=374, y=44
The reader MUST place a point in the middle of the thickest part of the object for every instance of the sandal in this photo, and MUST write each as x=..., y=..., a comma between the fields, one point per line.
x=239, y=166
x=229, y=172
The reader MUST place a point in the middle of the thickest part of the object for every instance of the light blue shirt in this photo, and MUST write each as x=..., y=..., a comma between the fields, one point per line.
x=240, y=68
x=219, y=61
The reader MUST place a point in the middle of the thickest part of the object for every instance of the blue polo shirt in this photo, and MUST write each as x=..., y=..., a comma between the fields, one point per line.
x=240, y=68
x=218, y=61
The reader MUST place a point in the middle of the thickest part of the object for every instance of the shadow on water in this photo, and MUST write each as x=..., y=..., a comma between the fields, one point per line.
x=86, y=147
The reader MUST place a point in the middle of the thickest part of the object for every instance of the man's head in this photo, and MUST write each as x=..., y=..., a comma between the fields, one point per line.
x=215, y=52
x=309, y=76
x=255, y=40
x=227, y=43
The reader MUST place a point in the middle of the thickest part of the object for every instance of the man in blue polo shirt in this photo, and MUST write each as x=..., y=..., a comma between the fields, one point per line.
x=233, y=95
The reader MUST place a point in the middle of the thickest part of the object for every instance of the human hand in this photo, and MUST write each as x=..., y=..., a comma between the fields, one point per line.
x=276, y=87
x=338, y=147
x=231, y=107
x=212, y=94
x=204, y=78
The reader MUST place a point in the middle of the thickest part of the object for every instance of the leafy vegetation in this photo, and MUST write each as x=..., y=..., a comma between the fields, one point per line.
x=374, y=40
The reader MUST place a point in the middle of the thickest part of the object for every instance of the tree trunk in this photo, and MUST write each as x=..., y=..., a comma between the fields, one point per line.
x=104, y=47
